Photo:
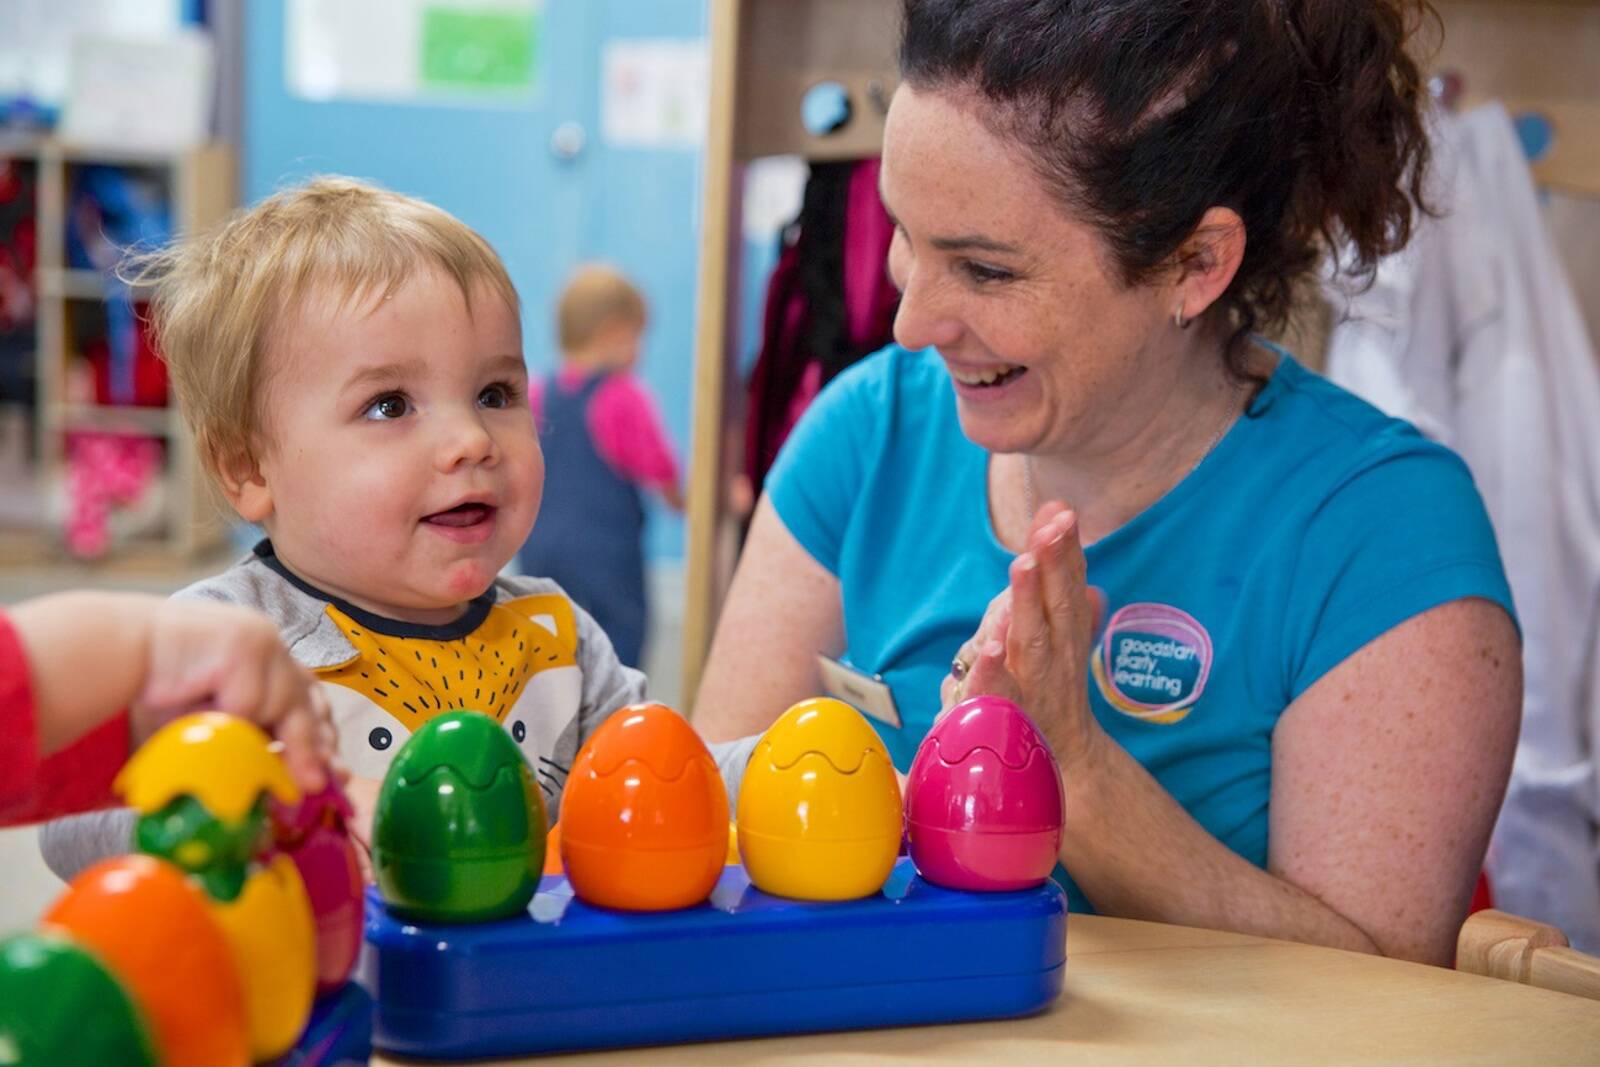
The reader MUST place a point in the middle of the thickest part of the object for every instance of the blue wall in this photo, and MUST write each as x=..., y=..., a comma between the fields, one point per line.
x=492, y=167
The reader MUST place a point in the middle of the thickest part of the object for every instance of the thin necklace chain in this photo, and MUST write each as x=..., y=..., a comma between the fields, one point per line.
x=1222, y=429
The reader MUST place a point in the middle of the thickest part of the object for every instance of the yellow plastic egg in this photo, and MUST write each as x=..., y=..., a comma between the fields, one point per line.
x=819, y=808
x=272, y=934
x=221, y=761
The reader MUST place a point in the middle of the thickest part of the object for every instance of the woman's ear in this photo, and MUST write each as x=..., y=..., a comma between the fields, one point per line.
x=245, y=486
x=1207, y=262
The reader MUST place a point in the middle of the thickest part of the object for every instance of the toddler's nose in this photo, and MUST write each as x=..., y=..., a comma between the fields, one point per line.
x=467, y=442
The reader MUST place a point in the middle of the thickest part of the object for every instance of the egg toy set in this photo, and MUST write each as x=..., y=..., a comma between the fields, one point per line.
x=651, y=934
x=227, y=942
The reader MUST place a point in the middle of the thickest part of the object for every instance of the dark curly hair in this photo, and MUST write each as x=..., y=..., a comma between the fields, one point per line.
x=1303, y=116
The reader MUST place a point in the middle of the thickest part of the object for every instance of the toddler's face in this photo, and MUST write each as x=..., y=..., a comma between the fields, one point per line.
x=616, y=344
x=401, y=468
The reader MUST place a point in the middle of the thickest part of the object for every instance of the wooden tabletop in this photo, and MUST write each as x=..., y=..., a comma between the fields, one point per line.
x=1146, y=993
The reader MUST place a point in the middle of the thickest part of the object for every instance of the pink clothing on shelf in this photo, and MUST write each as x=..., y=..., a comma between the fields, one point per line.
x=624, y=423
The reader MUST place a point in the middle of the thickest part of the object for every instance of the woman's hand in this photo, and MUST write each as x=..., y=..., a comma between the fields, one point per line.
x=1034, y=644
x=984, y=653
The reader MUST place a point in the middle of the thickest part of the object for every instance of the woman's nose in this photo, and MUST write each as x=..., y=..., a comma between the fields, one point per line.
x=923, y=319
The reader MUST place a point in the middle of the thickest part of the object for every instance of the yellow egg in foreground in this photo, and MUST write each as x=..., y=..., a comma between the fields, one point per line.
x=819, y=814
x=273, y=937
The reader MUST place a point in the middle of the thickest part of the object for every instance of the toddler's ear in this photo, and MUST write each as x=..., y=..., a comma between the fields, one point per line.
x=245, y=487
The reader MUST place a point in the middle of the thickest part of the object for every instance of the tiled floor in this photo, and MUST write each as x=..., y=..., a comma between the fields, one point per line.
x=27, y=886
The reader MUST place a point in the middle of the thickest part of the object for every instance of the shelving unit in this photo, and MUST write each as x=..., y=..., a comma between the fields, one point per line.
x=765, y=55
x=200, y=183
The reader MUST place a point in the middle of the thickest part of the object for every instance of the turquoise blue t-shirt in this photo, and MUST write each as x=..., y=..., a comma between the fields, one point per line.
x=1315, y=525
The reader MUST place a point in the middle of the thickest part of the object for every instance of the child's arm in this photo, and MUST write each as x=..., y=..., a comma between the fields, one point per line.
x=86, y=656
x=630, y=435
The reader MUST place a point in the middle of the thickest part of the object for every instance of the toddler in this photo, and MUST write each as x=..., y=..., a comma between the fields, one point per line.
x=350, y=362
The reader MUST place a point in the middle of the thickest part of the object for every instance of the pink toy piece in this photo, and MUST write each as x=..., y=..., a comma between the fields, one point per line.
x=291, y=823
x=312, y=834
x=983, y=800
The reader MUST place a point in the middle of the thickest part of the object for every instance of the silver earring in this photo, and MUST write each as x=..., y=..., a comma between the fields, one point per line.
x=1178, y=320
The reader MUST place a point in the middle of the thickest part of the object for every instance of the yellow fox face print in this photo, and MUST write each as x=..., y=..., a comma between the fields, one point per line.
x=394, y=685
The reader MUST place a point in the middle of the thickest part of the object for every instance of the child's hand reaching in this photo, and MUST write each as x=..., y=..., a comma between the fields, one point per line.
x=92, y=654
x=205, y=656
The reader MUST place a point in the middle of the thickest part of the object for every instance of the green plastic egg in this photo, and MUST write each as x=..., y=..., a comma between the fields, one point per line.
x=216, y=852
x=459, y=833
x=58, y=1004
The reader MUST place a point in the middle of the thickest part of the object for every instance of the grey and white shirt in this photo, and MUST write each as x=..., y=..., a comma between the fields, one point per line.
x=523, y=654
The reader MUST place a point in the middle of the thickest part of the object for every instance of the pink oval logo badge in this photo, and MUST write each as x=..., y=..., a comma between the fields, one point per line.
x=1152, y=662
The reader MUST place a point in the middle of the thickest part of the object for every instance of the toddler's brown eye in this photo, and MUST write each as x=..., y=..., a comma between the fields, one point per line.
x=391, y=406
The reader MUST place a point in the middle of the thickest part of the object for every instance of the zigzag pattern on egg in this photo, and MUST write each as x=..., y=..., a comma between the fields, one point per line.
x=415, y=679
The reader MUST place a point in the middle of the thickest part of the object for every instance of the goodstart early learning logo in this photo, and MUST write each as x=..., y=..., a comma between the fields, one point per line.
x=1152, y=662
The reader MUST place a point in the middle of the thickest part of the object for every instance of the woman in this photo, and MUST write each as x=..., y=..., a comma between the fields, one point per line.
x=1287, y=703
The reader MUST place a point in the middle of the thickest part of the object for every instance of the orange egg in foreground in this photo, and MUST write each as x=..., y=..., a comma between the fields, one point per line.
x=155, y=933
x=644, y=818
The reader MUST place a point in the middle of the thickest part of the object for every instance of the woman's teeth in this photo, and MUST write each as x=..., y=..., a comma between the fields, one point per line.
x=994, y=376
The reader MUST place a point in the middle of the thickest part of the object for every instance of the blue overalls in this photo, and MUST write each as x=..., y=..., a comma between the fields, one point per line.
x=590, y=533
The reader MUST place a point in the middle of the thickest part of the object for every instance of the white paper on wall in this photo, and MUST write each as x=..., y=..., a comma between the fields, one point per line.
x=414, y=51
x=141, y=92
x=36, y=39
x=654, y=93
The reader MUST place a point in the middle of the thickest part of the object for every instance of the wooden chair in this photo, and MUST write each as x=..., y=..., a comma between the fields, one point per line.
x=1499, y=945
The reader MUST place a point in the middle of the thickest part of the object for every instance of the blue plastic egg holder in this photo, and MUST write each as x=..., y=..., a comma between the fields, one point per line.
x=568, y=976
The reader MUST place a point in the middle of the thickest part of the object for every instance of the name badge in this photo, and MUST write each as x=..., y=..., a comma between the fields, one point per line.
x=868, y=693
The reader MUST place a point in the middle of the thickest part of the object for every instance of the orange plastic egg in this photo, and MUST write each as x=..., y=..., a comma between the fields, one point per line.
x=552, y=849
x=154, y=931
x=644, y=818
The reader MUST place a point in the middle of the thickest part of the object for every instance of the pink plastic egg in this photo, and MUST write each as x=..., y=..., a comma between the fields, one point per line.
x=312, y=833
x=983, y=800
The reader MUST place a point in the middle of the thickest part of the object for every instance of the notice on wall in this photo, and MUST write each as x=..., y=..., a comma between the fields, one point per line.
x=478, y=52
x=36, y=39
x=140, y=92
x=654, y=93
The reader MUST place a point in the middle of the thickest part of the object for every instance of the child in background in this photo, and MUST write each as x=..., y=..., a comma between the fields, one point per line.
x=350, y=361
x=605, y=443
x=86, y=677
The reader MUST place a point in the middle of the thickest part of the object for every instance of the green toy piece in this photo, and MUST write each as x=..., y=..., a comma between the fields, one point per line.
x=216, y=852
x=59, y=1005
x=459, y=834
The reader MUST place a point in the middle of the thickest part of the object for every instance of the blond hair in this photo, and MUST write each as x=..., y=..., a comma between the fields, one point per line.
x=595, y=295
x=218, y=296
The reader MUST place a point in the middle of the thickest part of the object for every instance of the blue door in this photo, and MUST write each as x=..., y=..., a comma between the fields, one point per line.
x=495, y=167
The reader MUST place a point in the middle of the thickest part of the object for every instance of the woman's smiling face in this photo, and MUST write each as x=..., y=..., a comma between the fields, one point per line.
x=1042, y=338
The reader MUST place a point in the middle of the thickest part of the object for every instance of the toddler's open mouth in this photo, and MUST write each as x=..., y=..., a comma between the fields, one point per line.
x=462, y=515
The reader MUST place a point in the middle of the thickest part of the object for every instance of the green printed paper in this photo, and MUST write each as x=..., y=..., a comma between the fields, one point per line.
x=463, y=48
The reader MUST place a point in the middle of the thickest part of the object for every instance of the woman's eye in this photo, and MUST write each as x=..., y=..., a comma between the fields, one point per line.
x=388, y=406
x=983, y=274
